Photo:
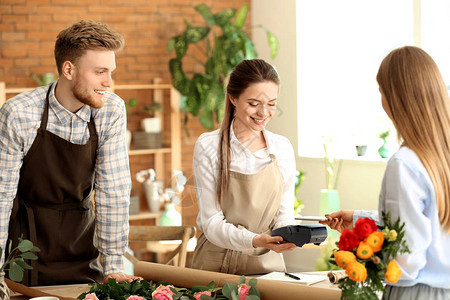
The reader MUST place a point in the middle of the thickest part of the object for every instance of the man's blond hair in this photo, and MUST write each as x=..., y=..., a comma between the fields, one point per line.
x=73, y=42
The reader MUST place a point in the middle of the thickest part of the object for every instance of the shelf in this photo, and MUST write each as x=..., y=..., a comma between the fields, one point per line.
x=149, y=151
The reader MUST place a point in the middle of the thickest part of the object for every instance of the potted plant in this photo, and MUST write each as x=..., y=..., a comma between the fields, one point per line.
x=152, y=123
x=15, y=263
x=223, y=44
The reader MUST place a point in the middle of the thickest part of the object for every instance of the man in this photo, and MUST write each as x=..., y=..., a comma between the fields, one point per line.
x=59, y=145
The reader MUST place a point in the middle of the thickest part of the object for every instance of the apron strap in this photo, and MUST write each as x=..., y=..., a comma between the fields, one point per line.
x=45, y=113
x=33, y=238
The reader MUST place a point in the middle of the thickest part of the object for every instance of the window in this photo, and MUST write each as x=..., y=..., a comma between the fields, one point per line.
x=340, y=47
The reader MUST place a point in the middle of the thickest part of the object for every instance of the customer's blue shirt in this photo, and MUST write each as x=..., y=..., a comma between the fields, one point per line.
x=407, y=191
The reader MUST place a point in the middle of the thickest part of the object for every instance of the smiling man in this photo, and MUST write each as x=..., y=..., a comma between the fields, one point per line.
x=62, y=145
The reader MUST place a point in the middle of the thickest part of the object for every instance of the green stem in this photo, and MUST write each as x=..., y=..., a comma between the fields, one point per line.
x=327, y=179
x=338, y=173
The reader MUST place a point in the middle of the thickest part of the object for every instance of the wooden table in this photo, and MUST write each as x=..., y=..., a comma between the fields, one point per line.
x=71, y=291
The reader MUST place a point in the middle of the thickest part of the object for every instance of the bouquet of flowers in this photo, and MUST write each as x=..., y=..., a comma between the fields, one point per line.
x=146, y=290
x=368, y=256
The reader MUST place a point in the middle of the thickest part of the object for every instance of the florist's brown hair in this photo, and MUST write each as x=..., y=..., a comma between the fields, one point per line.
x=418, y=100
x=244, y=74
x=73, y=42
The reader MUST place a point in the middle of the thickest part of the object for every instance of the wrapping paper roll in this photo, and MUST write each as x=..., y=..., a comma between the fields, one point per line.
x=335, y=276
x=269, y=289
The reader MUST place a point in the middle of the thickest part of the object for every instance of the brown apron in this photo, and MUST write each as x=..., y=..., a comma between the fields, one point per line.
x=252, y=202
x=53, y=208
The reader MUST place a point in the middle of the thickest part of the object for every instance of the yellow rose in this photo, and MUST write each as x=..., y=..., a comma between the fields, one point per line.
x=364, y=251
x=343, y=258
x=392, y=235
x=356, y=271
x=393, y=272
x=375, y=240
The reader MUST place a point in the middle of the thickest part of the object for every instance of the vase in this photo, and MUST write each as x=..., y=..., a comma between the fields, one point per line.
x=170, y=216
x=153, y=191
x=329, y=203
x=383, y=151
x=361, y=150
x=4, y=290
x=151, y=125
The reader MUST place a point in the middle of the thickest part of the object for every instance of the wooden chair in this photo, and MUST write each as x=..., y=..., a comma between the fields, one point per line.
x=139, y=233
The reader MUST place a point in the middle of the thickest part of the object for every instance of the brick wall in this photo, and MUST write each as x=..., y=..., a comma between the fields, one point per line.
x=29, y=28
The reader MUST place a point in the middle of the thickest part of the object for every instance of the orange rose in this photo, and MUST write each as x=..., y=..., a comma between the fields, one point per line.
x=356, y=271
x=343, y=258
x=375, y=240
x=393, y=272
x=364, y=251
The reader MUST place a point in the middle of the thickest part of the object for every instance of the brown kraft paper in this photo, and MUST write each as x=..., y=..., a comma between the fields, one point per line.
x=269, y=289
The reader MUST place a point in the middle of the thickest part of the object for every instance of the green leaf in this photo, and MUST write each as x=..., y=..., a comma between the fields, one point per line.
x=214, y=96
x=28, y=255
x=252, y=297
x=241, y=280
x=15, y=271
x=195, y=34
x=180, y=46
x=224, y=16
x=192, y=105
x=220, y=111
x=211, y=285
x=250, y=52
x=206, y=13
x=171, y=44
x=254, y=291
x=25, y=245
x=234, y=295
x=23, y=264
x=241, y=16
x=206, y=118
x=252, y=282
x=228, y=288
x=35, y=249
x=273, y=43
x=179, y=79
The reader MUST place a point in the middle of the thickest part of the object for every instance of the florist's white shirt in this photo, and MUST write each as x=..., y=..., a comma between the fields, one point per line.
x=407, y=191
x=210, y=218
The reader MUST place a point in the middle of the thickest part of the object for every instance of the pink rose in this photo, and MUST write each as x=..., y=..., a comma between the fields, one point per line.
x=91, y=296
x=199, y=294
x=243, y=291
x=161, y=296
x=134, y=297
x=163, y=292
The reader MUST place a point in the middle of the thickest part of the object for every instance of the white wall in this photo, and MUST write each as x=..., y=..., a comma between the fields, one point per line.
x=360, y=180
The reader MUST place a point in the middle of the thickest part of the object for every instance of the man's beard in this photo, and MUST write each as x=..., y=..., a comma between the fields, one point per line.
x=84, y=97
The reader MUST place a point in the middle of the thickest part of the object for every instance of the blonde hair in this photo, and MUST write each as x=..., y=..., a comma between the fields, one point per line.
x=418, y=100
x=244, y=74
x=73, y=42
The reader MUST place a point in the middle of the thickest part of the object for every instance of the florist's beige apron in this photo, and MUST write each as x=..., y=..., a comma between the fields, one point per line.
x=252, y=202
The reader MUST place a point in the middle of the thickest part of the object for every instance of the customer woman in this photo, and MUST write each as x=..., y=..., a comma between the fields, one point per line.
x=416, y=184
x=244, y=177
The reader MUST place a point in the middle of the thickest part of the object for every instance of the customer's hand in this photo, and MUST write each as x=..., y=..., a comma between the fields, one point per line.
x=275, y=243
x=340, y=220
x=120, y=277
